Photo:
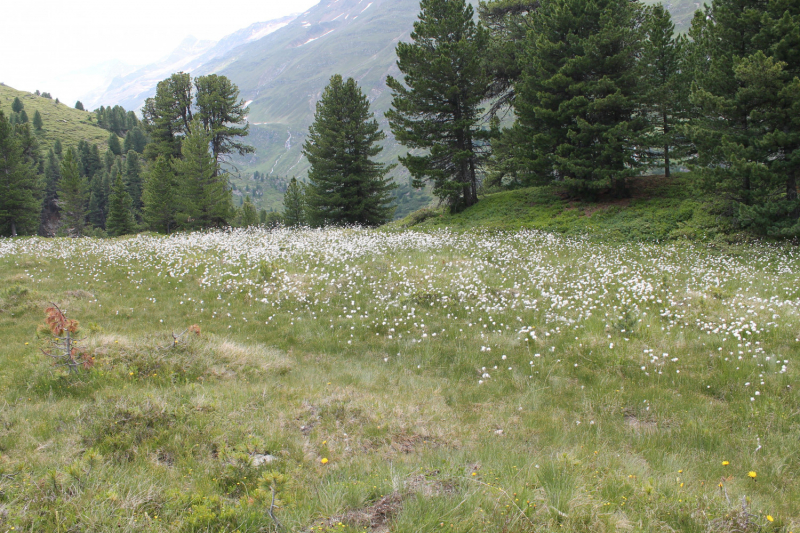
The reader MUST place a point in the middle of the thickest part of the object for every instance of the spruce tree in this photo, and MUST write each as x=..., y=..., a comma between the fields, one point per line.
x=37, y=120
x=294, y=209
x=58, y=148
x=72, y=193
x=248, y=214
x=205, y=201
x=52, y=175
x=20, y=187
x=17, y=105
x=120, y=218
x=159, y=196
x=577, y=102
x=346, y=185
x=23, y=117
x=437, y=108
x=79, y=105
x=665, y=89
x=113, y=144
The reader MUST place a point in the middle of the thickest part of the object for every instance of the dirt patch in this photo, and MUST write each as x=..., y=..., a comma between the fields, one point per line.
x=374, y=518
x=80, y=295
x=640, y=426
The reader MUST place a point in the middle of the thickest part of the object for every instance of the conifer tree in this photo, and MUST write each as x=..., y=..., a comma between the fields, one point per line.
x=222, y=114
x=17, y=106
x=72, y=193
x=37, y=120
x=52, y=175
x=23, y=117
x=159, y=196
x=168, y=115
x=577, y=99
x=294, y=208
x=205, y=201
x=346, y=185
x=437, y=108
x=20, y=188
x=79, y=105
x=665, y=89
x=113, y=144
x=248, y=214
x=133, y=179
x=120, y=218
x=58, y=148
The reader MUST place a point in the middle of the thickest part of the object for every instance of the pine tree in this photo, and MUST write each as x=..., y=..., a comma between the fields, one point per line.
x=221, y=111
x=57, y=147
x=113, y=144
x=577, y=100
x=52, y=176
x=23, y=117
x=248, y=215
x=346, y=185
x=20, y=188
x=17, y=106
x=79, y=105
x=438, y=108
x=205, y=200
x=665, y=89
x=159, y=196
x=72, y=195
x=294, y=204
x=168, y=116
x=747, y=89
x=37, y=120
x=133, y=179
x=120, y=218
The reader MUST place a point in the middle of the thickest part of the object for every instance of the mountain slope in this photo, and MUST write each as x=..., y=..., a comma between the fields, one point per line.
x=60, y=121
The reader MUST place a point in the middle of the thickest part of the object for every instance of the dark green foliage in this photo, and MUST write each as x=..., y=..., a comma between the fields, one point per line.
x=108, y=160
x=116, y=119
x=52, y=176
x=79, y=106
x=133, y=179
x=17, y=106
x=204, y=198
x=221, y=111
x=168, y=116
x=665, y=83
x=748, y=137
x=437, y=108
x=114, y=145
x=577, y=100
x=20, y=187
x=294, y=204
x=346, y=185
x=72, y=193
x=120, y=218
x=57, y=148
x=248, y=214
x=98, y=198
x=90, y=162
x=159, y=196
x=23, y=117
x=37, y=120
x=135, y=140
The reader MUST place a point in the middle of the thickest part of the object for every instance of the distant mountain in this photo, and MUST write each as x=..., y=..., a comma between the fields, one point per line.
x=131, y=88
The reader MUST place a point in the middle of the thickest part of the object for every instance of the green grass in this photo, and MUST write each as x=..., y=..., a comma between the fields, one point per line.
x=660, y=210
x=619, y=397
x=60, y=121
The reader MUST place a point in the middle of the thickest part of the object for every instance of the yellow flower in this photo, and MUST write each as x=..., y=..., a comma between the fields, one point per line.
x=725, y=463
x=474, y=474
x=769, y=517
x=752, y=474
x=324, y=460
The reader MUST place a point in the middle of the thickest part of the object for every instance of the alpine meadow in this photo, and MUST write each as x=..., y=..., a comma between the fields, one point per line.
x=412, y=266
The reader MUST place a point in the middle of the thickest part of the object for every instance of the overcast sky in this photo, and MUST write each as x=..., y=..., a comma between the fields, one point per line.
x=45, y=40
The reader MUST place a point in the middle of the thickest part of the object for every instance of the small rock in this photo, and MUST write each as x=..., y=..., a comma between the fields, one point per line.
x=260, y=459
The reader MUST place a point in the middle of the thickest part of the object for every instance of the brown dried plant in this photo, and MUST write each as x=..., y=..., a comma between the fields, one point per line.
x=65, y=350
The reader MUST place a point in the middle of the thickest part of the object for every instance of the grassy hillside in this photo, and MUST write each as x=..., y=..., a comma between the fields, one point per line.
x=401, y=381
x=659, y=209
x=60, y=121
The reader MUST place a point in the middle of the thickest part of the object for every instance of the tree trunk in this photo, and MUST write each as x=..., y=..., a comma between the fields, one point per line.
x=791, y=195
x=13, y=229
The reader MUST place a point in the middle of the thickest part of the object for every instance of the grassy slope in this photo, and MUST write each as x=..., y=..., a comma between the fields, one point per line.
x=60, y=121
x=660, y=209
x=368, y=354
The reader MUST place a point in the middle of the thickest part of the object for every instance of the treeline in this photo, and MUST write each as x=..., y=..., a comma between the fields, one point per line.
x=602, y=90
x=165, y=175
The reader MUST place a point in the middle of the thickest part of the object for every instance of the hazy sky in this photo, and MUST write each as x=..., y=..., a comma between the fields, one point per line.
x=45, y=40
